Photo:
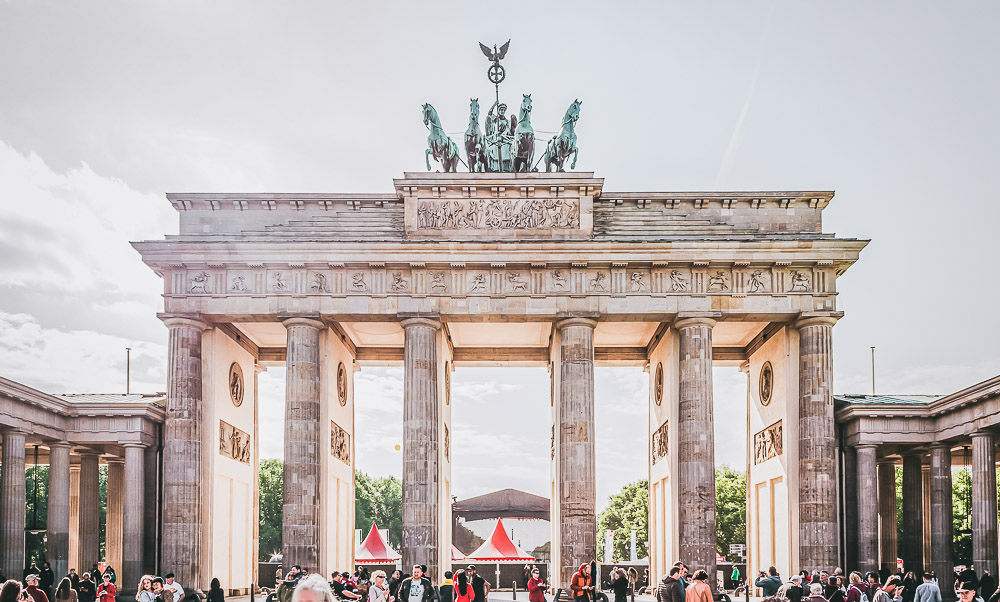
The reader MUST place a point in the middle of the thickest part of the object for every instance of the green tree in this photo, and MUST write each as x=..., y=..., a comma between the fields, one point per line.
x=730, y=509
x=36, y=487
x=627, y=510
x=270, y=508
x=961, y=519
x=380, y=501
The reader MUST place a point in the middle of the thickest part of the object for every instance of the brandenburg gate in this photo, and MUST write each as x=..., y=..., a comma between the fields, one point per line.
x=448, y=270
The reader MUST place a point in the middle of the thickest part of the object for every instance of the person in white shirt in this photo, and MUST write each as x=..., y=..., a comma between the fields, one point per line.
x=174, y=587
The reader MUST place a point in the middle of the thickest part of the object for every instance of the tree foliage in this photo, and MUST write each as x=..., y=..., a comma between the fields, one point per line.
x=380, y=501
x=627, y=510
x=730, y=509
x=270, y=508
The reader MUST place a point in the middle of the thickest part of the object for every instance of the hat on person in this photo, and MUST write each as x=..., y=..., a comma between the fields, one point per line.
x=158, y=580
x=471, y=567
x=168, y=576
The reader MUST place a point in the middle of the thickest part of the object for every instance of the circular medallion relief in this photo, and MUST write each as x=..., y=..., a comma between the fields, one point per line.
x=658, y=390
x=766, y=383
x=447, y=383
x=236, y=384
x=342, y=384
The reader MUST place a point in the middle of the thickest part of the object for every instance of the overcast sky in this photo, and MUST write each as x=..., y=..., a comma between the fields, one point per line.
x=106, y=106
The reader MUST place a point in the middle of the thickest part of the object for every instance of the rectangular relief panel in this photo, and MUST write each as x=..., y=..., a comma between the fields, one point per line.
x=767, y=443
x=340, y=443
x=234, y=443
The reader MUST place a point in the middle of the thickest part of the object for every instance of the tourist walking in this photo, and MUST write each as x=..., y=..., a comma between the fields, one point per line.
x=312, y=588
x=856, y=592
x=394, y=583
x=619, y=585
x=480, y=586
x=834, y=589
x=110, y=570
x=463, y=591
x=928, y=591
x=698, y=590
x=215, y=593
x=379, y=589
x=74, y=579
x=33, y=591
x=769, y=582
x=65, y=591
x=987, y=584
x=106, y=591
x=416, y=588
x=670, y=587
x=11, y=591
x=536, y=586
x=87, y=590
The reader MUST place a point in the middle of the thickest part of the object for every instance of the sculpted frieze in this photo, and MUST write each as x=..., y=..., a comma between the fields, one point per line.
x=768, y=443
x=234, y=443
x=500, y=280
x=498, y=214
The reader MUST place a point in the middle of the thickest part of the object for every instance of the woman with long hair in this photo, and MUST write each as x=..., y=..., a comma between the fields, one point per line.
x=698, y=590
x=145, y=591
x=836, y=589
x=463, y=591
x=11, y=591
x=215, y=593
x=65, y=592
x=910, y=583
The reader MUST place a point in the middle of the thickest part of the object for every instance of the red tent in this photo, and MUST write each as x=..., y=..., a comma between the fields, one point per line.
x=456, y=554
x=376, y=550
x=499, y=547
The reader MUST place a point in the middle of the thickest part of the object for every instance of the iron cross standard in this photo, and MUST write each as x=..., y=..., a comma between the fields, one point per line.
x=496, y=74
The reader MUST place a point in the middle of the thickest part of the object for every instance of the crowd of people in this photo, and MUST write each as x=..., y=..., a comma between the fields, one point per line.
x=95, y=585
x=460, y=586
x=825, y=586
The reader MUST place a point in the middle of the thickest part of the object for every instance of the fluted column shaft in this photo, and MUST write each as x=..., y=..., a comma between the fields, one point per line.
x=867, y=500
x=134, y=514
x=913, y=514
x=696, y=444
x=819, y=539
x=421, y=470
x=115, y=515
x=183, y=454
x=850, y=524
x=12, y=504
x=57, y=522
x=151, y=494
x=888, y=546
x=90, y=511
x=941, y=515
x=300, y=532
x=577, y=478
x=984, y=504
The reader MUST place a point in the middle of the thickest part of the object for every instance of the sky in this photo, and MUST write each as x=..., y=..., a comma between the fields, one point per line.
x=106, y=106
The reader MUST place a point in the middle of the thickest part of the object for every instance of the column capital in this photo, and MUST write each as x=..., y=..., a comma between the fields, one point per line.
x=567, y=322
x=941, y=445
x=912, y=453
x=134, y=445
x=692, y=321
x=982, y=434
x=310, y=321
x=866, y=446
x=59, y=445
x=182, y=321
x=889, y=461
x=429, y=322
x=811, y=318
x=116, y=460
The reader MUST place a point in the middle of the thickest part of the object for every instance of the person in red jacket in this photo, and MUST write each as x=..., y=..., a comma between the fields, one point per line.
x=582, y=584
x=536, y=587
x=36, y=594
x=106, y=591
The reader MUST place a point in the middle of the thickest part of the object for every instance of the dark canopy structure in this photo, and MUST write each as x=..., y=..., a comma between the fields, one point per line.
x=506, y=503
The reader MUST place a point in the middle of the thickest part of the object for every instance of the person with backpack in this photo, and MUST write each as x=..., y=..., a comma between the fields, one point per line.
x=856, y=592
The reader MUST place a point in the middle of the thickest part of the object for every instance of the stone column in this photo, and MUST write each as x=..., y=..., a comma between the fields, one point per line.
x=849, y=497
x=577, y=478
x=300, y=533
x=867, y=497
x=941, y=515
x=183, y=456
x=134, y=515
x=925, y=474
x=696, y=445
x=888, y=546
x=90, y=511
x=57, y=522
x=12, y=503
x=74, y=519
x=421, y=506
x=984, y=503
x=913, y=514
x=115, y=514
x=819, y=538
x=150, y=503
